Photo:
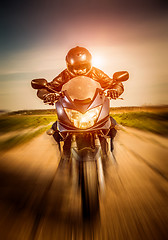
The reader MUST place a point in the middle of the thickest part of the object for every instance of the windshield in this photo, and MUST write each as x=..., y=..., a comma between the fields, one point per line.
x=81, y=88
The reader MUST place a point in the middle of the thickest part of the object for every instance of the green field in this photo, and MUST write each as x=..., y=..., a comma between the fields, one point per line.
x=20, y=122
x=19, y=127
x=147, y=121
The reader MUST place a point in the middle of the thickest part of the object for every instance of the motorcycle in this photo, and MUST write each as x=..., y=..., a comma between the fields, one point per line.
x=84, y=126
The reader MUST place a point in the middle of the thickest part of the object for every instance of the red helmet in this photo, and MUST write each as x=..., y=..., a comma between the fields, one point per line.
x=78, y=61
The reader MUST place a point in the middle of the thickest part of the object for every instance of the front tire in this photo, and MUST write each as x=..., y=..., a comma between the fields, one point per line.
x=89, y=190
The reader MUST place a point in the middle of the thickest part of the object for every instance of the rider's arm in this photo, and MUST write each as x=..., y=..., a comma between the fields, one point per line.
x=57, y=83
x=41, y=93
x=98, y=75
x=47, y=96
x=118, y=87
x=108, y=83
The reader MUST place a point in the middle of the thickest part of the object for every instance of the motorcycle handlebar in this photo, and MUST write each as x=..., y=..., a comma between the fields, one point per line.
x=105, y=91
x=41, y=85
x=61, y=94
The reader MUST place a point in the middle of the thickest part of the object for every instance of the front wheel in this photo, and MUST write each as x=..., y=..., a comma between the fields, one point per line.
x=89, y=189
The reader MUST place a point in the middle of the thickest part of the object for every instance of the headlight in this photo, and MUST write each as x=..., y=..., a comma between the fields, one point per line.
x=85, y=120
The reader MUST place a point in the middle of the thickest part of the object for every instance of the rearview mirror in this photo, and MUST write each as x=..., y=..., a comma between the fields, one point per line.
x=39, y=83
x=121, y=76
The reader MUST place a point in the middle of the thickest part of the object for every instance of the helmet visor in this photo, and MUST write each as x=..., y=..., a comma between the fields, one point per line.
x=79, y=69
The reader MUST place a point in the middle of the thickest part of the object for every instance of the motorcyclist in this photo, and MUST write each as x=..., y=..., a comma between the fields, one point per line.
x=78, y=61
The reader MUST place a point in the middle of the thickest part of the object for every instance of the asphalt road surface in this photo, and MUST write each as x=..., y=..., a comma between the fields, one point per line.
x=37, y=201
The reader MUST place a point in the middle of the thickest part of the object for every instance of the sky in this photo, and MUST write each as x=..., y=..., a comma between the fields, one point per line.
x=121, y=35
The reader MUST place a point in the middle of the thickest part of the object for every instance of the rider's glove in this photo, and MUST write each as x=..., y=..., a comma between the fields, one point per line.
x=113, y=93
x=50, y=98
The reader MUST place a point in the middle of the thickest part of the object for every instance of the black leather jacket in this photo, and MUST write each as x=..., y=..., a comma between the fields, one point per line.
x=95, y=73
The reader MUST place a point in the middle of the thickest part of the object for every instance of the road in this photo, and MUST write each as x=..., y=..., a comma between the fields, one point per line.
x=134, y=205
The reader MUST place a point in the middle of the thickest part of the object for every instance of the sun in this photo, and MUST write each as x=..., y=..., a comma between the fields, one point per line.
x=98, y=61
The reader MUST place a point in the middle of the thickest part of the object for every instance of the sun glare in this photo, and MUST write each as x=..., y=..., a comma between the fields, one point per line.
x=98, y=61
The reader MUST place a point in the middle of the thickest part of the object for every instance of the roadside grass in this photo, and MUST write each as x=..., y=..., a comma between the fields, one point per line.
x=35, y=126
x=34, y=112
x=156, y=122
x=147, y=121
x=20, y=139
x=10, y=123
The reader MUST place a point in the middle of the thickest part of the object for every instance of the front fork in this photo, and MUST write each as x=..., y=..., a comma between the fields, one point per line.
x=90, y=137
x=85, y=149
